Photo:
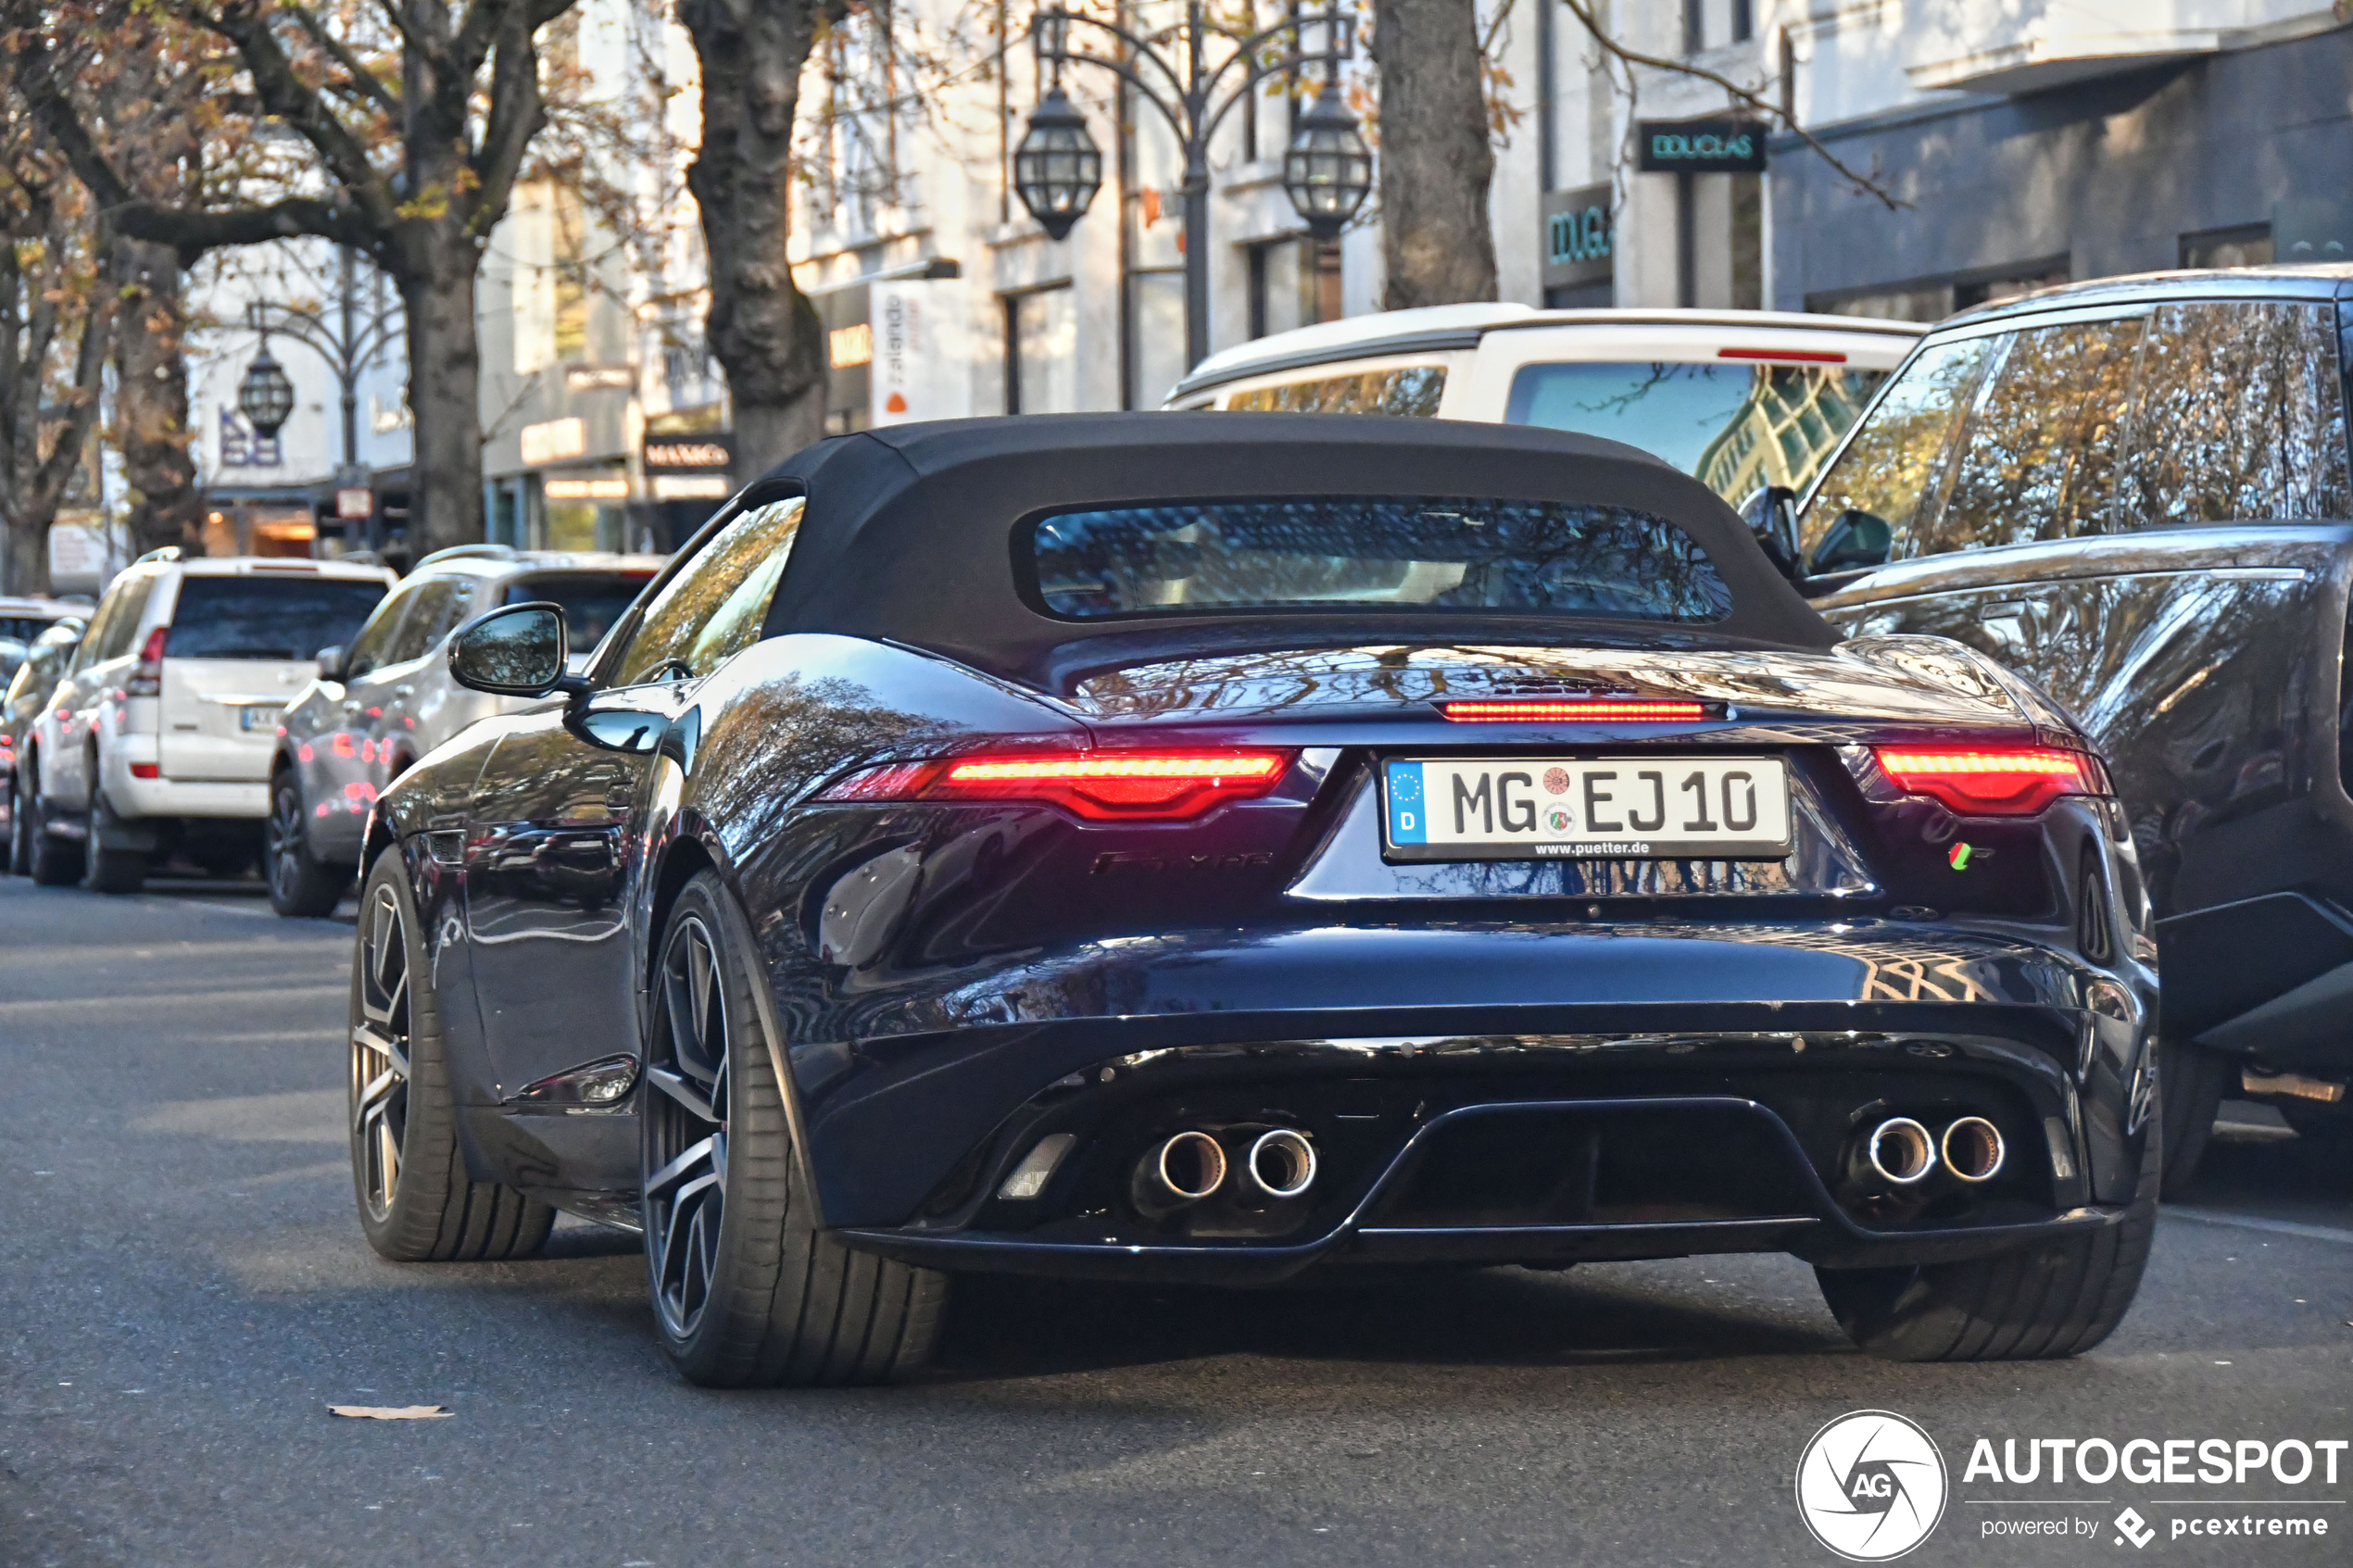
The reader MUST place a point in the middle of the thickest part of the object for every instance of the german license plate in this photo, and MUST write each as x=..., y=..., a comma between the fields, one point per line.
x=1586, y=808
x=257, y=718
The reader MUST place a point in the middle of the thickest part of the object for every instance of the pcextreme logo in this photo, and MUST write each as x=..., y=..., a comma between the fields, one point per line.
x=1871, y=1485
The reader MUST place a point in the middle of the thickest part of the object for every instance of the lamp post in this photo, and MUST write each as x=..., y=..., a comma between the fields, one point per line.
x=346, y=340
x=1326, y=170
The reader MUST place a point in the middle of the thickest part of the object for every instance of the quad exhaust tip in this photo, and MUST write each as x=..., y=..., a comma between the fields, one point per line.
x=1281, y=1163
x=1972, y=1149
x=1184, y=1169
x=1901, y=1153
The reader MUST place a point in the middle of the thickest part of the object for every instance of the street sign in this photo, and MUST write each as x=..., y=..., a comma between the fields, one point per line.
x=1719, y=145
x=355, y=502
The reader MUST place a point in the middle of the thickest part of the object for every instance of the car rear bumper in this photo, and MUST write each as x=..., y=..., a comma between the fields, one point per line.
x=1782, y=1038
x=179, y=797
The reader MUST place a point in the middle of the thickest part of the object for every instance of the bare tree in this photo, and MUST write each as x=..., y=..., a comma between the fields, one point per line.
x=413, y=120
x=54, y=321
x=1437, y=153
x=763, y=328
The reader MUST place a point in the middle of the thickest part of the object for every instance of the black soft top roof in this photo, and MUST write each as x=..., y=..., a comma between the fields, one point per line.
x=910, y=530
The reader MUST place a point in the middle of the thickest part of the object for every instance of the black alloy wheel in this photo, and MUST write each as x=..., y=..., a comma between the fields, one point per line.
x=686, y=1129
x=417, y=1204
x=749, y=1290
x=299, y=886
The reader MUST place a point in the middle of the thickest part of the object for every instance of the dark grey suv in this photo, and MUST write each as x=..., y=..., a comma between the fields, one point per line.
x=2138, y=492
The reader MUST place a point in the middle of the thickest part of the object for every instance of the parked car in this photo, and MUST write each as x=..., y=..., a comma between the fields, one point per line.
x=1744, y=399
x=387, y=699
x=25, y=696
x=159, y=738
x=1215, y=846
x=2136, y=492
x=22, y=620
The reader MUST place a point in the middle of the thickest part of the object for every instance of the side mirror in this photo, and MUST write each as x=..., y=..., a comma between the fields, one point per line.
x=1772, y=515
x=330, y=664
x=1856, y=541
x=516, y=650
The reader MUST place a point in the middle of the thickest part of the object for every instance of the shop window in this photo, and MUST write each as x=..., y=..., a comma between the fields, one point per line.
x=1042, y=351
x=570, y=244
x=2249, y=245
x=2239, y=415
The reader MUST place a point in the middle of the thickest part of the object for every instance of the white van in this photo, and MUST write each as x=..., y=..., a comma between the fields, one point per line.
x=1744, y=400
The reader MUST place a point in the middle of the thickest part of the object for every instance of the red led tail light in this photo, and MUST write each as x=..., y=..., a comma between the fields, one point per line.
x=1595, y=710
x=1991, y=780
x=1099, y=785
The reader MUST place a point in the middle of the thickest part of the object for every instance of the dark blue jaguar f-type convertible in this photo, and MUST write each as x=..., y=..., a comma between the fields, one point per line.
x=1215, y=847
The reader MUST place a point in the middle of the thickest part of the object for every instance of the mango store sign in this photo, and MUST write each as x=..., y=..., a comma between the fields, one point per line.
x=921, y=365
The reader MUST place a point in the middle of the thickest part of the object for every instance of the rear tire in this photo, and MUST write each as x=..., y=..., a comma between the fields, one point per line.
x=748, y=1291
x=50, y=860
x=2192, y=1079
x=19, y=832
x=107, y=869
x=299, y=886
x=417, y=1205
x=2041, y=1302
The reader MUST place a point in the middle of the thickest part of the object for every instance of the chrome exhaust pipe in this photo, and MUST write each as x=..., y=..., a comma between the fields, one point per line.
x=1972, y=1149
x=1184, y=1169
x=1281, y=1164
x=1899, y=1153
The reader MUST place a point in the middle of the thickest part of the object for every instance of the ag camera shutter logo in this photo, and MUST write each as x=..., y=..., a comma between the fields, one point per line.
x=1871, y=1485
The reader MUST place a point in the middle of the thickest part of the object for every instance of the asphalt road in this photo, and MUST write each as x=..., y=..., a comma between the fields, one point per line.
x=183, y=1291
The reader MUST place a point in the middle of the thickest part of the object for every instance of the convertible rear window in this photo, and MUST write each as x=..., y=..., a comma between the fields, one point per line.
x=1377, y=552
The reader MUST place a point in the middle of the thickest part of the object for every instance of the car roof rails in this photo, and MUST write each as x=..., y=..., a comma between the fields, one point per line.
x=455, y=552
x=168, y=552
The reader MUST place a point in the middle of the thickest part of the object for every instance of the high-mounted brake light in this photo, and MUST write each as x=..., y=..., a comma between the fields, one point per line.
x=1795, y=356
x=1099, y=785
x=146, y=676
x=1599, y=710
x=1991, y=780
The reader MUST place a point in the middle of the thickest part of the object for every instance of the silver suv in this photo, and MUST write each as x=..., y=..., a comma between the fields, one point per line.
x=157, y=739
x=386, y=699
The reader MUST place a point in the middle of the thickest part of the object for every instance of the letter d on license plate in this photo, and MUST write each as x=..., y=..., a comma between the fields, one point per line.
x=1585, y=808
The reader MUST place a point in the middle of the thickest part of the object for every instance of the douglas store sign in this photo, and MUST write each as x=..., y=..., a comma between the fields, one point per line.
x=1716, y=145
x=1579, y=245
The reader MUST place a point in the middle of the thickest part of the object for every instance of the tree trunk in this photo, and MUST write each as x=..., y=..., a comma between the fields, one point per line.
x=28, y=561
x=151, y=399
x=445, y=378
x=763, y=328
x=1436, y=157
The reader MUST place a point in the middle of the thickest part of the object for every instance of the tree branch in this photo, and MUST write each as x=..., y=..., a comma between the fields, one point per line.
x=288, y=96
x=38, y=79
x=193, y=231
x=516, y=115
x=56, y=470
x=1582, y=10
x=364, y=82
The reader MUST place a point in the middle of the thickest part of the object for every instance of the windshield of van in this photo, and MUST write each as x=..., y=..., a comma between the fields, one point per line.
x=285, y=617
x=1734, y=427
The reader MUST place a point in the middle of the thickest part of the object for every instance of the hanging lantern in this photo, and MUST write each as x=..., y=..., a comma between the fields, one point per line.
x=1057, y=168
x=1327, y=169
x=265, y=398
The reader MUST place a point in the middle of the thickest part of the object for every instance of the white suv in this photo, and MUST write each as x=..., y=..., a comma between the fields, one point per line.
x=159, y=737
x=1746, y=400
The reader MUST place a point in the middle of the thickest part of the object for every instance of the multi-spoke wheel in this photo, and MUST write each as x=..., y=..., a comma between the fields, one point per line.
x=416, y=1203
x=380, y=1055
x=748, y=1287
x=298, y=884
x=687, y=1127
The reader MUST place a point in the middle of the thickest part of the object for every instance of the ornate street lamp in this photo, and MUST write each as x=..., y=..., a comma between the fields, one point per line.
x=1326, y=170
x=1057, y=168
x=265, y=398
